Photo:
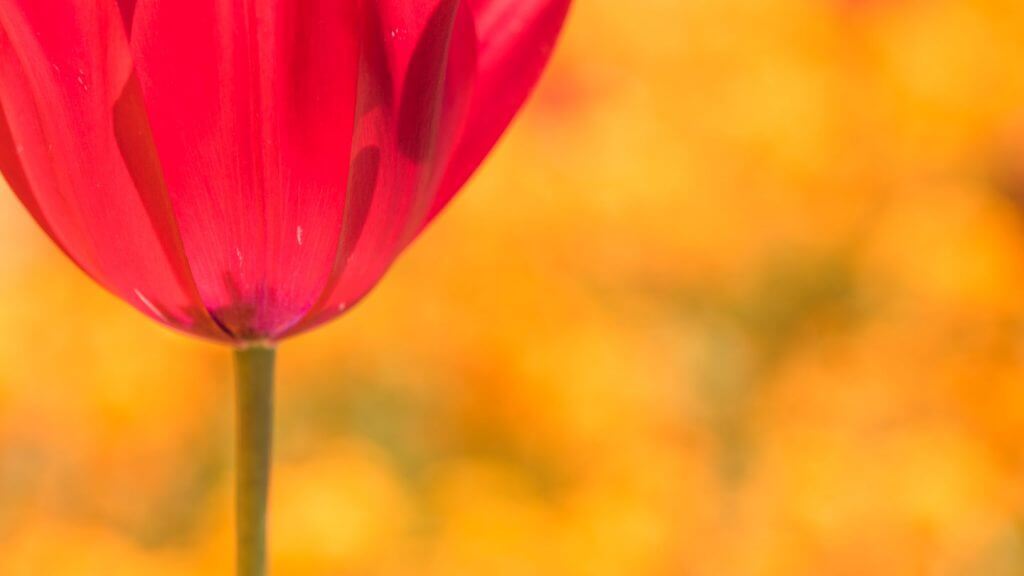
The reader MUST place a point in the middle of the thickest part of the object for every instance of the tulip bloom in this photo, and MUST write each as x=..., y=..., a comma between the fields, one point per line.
x=245, y=170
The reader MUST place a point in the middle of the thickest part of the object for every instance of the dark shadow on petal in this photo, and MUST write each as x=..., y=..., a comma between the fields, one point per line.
x=237, y=319
x=138, y=150
x=423, y=93
x=362, y=185
x=363, y=179
x=14, y=172
x=376, y=86
x=127, y=8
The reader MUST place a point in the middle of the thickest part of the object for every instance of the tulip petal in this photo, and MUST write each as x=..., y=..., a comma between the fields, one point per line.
x=127, y=8
x=252, y=102
x=247, y=169
x=513, y=40
x=62, y=73
x=416, y=74
x=516, y=39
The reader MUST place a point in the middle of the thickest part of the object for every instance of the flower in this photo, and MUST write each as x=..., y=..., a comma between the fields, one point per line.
x=245, y=170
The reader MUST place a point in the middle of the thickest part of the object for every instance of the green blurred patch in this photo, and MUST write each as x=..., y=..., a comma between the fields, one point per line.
x=417, y=428
x=794, y=301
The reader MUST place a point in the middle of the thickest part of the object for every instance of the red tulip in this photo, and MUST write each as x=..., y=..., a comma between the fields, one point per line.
x=247, y=169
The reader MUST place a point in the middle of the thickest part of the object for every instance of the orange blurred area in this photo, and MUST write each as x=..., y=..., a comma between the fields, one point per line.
x=742, y=293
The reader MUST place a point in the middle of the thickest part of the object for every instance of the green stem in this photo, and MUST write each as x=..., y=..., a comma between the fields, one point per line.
x=254, y=379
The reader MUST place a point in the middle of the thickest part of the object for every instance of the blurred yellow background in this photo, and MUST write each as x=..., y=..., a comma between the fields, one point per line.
x=740, y=294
